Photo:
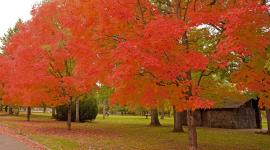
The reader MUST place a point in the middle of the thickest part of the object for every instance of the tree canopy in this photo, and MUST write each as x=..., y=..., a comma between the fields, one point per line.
x=148, y=51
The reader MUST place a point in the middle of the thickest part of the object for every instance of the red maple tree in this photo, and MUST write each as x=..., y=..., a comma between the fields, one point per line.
x=146, y=52
x=52, y=57
x=156, y=46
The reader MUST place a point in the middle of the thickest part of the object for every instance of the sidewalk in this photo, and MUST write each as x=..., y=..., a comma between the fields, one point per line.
x=10, y=143
x=9, y=140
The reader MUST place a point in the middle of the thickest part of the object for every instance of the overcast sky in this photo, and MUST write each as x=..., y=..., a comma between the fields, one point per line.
x=12, y=10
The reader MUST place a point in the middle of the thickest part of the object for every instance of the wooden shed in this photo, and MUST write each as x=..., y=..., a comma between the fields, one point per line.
x=230, y=115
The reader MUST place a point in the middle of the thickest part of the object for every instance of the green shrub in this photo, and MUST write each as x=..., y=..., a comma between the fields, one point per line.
x=88, y=110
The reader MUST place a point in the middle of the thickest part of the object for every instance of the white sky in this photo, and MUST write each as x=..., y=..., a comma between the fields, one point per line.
x=12, y=10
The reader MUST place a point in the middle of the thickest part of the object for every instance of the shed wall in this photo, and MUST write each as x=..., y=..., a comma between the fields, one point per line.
x=244, y=117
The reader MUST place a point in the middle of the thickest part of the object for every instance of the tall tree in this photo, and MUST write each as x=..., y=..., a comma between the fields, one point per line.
x=178, y=121
x=158, y=46
x=8, y=35
x=50, y=55
x=154, y=117
x=145, y=52
x=3, y=42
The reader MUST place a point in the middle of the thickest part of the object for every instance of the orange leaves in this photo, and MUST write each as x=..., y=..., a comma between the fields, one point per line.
x=157, y=29
x=157, y=36
x=146, y=55
x=210, y=17
x=121, y=9
x=193, y=103
x=115, y=16
x=195, y=61
x=53, y=56
x=254, y=77
x=241, y=26
x=158, y=51
x=264, y=101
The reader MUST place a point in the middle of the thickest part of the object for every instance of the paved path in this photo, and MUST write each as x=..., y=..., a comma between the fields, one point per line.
x=10, y=143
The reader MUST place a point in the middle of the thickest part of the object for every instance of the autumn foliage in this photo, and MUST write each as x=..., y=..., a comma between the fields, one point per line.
x=45, y=61
x=69, y=45
x=149, y=55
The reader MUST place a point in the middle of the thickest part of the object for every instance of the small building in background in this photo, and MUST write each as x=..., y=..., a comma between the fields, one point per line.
x=244, y=114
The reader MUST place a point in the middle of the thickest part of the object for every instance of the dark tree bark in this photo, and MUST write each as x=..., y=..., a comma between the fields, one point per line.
x=268, y=119
x=10, y=110
x=154, y=117
x=178, y=121
x=77, y=111
x=44, y=109
x=146, y=115
x=28, y=113
x=192, y=133
x=53, y=113
x=69, y=114
x=6, y=108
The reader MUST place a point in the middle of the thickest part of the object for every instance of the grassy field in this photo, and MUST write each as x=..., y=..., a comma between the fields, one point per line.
x=264, y=123
x=129, y=133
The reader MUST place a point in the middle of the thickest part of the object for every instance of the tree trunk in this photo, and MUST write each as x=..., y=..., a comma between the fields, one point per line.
x=146, y=115
x=69, y=114
x=192, y=133
x=10, y=110
x=6, y=109
x=53, y=113
x=28, y=113
x=44, y=109
x=178, y=121
x=17, y=112
x=104, y=109
x=77, y=111
x=154, y=117
x=1, y=107
x=268, y=119
x=162, y=114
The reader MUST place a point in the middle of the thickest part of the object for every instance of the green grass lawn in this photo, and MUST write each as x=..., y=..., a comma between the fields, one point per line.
x=129, y=133
x=264, y=123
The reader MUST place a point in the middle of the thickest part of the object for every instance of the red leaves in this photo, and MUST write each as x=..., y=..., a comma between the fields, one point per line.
x=52, y=56
x=193, y=103
x=194, y=61
x=156, y=51
x=70, y=45
x=157, y=36
x=122, y=9
x=212, y=17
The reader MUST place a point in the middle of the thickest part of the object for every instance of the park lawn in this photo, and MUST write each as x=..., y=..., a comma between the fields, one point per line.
x=264, y=122
x=129, y=133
